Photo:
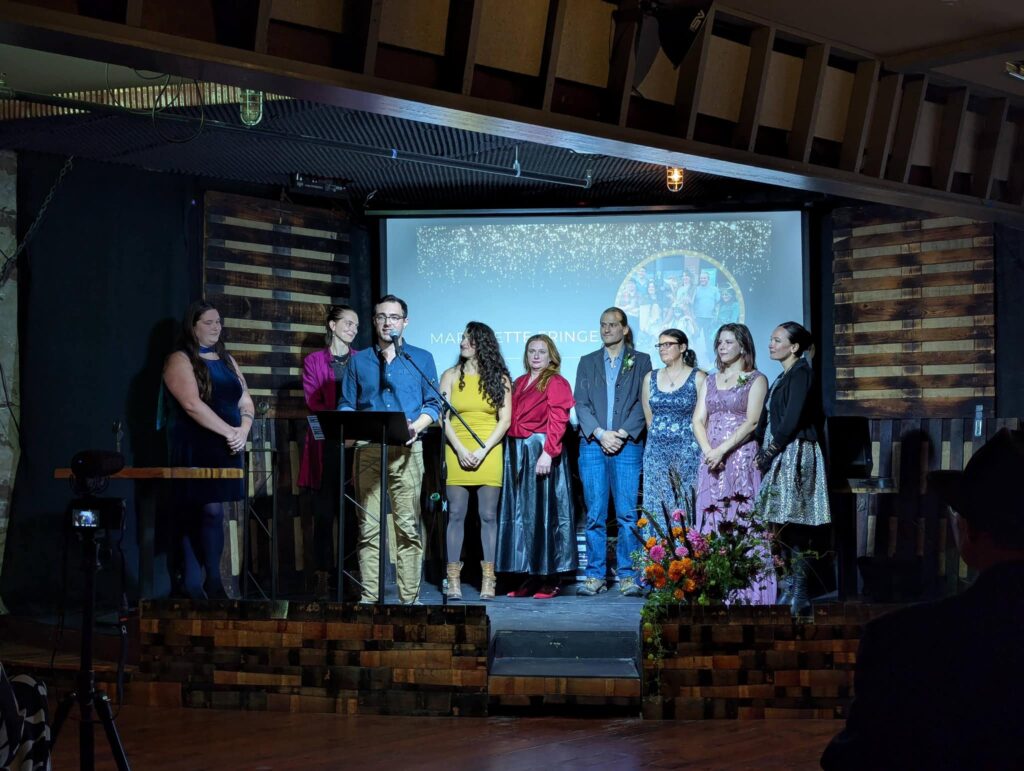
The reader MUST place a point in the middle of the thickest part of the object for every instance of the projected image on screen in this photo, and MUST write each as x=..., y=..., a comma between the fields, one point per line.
x=681, y=290
x=524, y=275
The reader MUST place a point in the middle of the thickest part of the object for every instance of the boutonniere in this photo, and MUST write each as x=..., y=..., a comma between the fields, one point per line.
x=744, y=378
x=628, y=362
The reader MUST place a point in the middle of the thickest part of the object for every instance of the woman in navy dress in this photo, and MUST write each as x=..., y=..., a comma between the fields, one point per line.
x=210, y=413
x=668, y=396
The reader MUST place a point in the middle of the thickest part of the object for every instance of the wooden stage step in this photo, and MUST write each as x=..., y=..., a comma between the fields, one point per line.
x=531, y=668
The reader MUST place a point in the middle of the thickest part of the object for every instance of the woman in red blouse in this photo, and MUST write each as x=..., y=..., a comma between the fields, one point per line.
x=537, y=519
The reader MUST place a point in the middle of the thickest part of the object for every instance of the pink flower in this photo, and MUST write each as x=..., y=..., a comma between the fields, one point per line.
x=723, y=551
x=681, y=551
x=677, y=515
x=657, y=553
x=697, y=541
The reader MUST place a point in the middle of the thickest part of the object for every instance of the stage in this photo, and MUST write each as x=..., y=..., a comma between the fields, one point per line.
x=568, y=654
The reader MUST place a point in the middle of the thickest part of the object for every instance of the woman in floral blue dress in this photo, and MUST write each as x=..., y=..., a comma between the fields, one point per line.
x=668, y=396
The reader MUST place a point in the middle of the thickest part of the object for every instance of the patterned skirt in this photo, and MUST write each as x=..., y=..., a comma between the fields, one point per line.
x=795, y=489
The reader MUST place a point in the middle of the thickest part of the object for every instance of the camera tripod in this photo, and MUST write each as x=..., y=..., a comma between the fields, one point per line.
x=86, y=695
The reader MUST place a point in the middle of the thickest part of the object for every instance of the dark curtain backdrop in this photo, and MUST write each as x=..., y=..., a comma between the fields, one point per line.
x=101, y=286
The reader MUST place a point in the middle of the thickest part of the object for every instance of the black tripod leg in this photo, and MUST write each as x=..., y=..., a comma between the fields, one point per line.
x=102, y=705
x=63, y=710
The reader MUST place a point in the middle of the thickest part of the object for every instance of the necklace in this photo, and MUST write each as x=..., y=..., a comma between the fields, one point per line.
x=671, y=380
x=729, y=377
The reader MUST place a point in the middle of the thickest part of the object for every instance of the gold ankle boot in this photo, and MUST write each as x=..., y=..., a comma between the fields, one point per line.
x=488, y=582
x=454, y=580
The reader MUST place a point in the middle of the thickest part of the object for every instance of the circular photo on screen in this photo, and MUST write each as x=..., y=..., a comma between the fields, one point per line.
x=680, y=290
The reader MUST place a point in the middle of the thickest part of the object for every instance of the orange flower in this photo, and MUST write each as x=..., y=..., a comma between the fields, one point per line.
x=675, y=570
x=689, y=585
x=655, y=575
x=687, y=565
x=642, y=522
x=677, y=532
x=678, y=594
x=650, y=542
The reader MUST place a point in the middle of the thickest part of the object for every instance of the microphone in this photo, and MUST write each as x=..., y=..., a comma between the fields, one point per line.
x=96, y=464
x=396, y=339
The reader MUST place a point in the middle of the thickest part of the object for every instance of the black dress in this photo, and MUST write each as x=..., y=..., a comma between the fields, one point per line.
x=191, y=445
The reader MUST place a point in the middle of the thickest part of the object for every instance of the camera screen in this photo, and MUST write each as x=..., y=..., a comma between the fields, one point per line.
x=84, y=518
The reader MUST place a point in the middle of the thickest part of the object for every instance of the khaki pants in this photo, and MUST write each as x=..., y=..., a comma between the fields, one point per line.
x=405, y=478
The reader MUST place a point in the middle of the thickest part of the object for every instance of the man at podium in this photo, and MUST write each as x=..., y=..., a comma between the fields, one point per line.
x=380, y=378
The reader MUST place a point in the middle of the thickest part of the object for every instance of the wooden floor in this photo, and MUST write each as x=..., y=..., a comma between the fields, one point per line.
x=156, y=738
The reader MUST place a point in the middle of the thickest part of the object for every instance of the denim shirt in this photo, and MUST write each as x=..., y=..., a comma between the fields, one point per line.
x=610, y=375
x=396, y=386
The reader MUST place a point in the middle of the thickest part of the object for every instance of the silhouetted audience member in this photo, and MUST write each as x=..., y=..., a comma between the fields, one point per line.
x=938, y=685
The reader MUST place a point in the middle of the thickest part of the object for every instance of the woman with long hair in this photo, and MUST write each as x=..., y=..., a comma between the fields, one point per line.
x=210, y=413
x=537, y=521
x=669, y=396
x=480, y=388
x=794, y=490
x=728, y=407
x=321, y=375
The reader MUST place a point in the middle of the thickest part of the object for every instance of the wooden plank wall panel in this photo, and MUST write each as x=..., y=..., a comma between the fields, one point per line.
x=272, y=269
x=914, y=304
x=903, y=538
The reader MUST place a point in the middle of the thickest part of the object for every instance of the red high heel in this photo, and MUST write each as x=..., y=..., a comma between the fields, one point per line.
x=547, y=592
x=526, y=589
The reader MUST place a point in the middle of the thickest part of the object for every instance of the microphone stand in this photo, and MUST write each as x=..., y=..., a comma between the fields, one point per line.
x=446, y=406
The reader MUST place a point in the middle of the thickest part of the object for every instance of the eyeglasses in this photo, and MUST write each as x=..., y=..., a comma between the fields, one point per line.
x=394, y=318
x=659, y=346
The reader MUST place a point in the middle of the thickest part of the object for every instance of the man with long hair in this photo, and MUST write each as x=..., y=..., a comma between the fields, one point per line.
x=612, y=428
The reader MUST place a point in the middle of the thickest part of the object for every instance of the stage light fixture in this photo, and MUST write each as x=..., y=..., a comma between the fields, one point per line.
x=250, y=106
x=674, y=178
x=1015, y=70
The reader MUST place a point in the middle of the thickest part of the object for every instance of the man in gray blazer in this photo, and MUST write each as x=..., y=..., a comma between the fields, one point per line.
x=611, y=426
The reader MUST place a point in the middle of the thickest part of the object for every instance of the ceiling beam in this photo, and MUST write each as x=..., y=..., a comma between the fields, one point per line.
x=951, y=134
x=808, y=100
x=71, y=35
x=957, y=51
x=858, y=116
x=906, y=129
x=762, y=42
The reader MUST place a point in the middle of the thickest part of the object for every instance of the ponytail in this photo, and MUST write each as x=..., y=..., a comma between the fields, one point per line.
x=690, y=357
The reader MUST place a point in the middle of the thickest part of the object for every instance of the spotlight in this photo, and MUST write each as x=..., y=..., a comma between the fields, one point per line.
x=1015, y=70
x=250, y=107
x=674, y=178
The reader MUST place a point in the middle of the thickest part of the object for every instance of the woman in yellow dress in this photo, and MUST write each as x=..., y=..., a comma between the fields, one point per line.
x=480, y=388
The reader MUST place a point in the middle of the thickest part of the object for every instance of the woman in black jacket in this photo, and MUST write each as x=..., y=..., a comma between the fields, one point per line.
x=794, y=490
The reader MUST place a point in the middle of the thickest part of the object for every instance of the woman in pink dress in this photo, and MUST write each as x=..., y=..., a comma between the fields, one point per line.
x=729, y=405
x=321, y=374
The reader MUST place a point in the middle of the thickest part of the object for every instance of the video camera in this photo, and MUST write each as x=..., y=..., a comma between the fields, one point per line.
x=97, y=513
x=90, y=469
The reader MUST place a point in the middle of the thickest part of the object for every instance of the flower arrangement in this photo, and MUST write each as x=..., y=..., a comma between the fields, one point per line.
x=628, y=361
x=679, y=564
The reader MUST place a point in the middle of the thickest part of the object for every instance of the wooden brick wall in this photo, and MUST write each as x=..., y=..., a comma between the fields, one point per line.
x=914, y=325
x=291, y=657
x=754, y=662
